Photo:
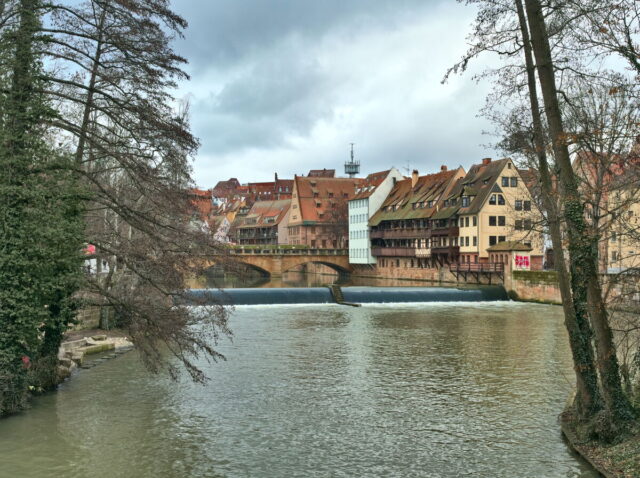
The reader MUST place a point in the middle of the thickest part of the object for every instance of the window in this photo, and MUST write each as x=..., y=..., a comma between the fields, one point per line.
x=505, y=182
x=527, y=224
x=614, y=256
x=466, y=221
x=475, y=221
x=493, y=199
x=500, y=200
x=446, y=203
x=430, y=204
x=527, y=205
x=501, y=238
x=514, y=182
x=492, y=240
x=501, y=221
x=492, y=220
x=518, y=204
x=475, y=241
x=465, y=201
x=518, y=224
x=466, y=241
x=613, y=237
x=509, y=165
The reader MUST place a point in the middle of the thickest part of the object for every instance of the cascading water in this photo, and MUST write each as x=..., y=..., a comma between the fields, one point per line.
x=359, y=295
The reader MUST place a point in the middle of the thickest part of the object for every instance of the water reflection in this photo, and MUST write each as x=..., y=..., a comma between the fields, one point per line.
x=430, y=391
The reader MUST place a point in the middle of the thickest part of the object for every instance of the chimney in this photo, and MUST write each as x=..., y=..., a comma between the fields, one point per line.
x=443, y=168
x=414, y=177
x=276, y=177
x=486, y=161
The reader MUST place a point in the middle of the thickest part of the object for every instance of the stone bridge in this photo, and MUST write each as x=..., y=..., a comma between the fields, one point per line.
x=276, y=261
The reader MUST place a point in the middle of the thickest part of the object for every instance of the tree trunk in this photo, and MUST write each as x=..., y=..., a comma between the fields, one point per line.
x=582, y=247
x=587, y=397
x=88, y=106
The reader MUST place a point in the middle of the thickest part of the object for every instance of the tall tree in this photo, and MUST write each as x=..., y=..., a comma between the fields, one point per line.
x=582, y=247
x=113, y=76
x=40, y=230
x=576, y=320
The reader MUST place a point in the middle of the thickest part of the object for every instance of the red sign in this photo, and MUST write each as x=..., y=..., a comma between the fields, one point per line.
x=522, y=262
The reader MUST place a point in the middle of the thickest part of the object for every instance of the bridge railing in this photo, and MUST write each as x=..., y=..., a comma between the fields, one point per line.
x=274, y=251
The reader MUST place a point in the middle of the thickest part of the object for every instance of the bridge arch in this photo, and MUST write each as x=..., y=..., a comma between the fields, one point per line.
x=332, y=265
x=256, y=268
x=274, y=262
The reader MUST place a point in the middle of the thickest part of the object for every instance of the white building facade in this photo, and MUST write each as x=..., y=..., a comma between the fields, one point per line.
x=368, y=198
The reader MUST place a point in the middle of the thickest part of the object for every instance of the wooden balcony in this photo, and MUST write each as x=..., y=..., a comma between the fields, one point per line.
x=412, y=233
x=453, y=231
x=393, y=251
x=489, y=270
x=452, y=251
x=479, y=267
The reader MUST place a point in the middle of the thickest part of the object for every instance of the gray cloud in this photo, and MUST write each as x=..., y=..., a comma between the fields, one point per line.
x=286, y=85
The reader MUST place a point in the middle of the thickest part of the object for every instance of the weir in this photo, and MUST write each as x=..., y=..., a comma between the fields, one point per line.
x=357, y=295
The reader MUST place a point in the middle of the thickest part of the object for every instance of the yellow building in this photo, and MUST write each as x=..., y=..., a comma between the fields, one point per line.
x=495, y=206
x=620, y=247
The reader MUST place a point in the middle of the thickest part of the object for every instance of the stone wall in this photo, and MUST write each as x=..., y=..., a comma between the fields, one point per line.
x=538, y=286
x=88, y=318
x=404, y=273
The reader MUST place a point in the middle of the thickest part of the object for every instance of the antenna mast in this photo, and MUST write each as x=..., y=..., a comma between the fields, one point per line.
x=352, y=167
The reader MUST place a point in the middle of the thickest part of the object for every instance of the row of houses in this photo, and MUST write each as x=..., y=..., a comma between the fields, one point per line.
x=452, y=216
x=487, y=214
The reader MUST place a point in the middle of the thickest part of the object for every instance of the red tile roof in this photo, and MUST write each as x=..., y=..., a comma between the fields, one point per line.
x=266, y=213
x=321, y=197
x=322, y=173
x=201, y=201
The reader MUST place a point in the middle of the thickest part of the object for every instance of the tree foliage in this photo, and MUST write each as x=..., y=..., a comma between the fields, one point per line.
x=95, y=149
x=41, y=228
x=556, y=56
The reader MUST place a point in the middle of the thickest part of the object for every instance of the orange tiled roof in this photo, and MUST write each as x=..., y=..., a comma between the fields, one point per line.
x=319, y=197
x=266, y=213
x=201, y=200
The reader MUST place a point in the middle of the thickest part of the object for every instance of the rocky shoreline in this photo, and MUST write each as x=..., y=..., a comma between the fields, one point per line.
x=73, y=351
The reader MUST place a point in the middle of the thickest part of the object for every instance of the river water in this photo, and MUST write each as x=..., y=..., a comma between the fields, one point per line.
x=428, y=390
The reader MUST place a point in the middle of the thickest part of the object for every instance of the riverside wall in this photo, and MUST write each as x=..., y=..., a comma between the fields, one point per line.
x=533, y=286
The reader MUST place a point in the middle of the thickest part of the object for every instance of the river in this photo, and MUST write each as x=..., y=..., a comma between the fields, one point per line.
x=428, y=390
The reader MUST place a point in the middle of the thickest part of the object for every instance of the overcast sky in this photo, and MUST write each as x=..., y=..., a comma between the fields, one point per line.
x=285, y=85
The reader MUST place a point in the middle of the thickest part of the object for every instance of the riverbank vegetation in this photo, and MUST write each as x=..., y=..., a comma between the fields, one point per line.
x=570, y=77
x=95, y=155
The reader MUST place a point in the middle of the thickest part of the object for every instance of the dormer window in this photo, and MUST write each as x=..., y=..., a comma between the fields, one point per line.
x=465, y=201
